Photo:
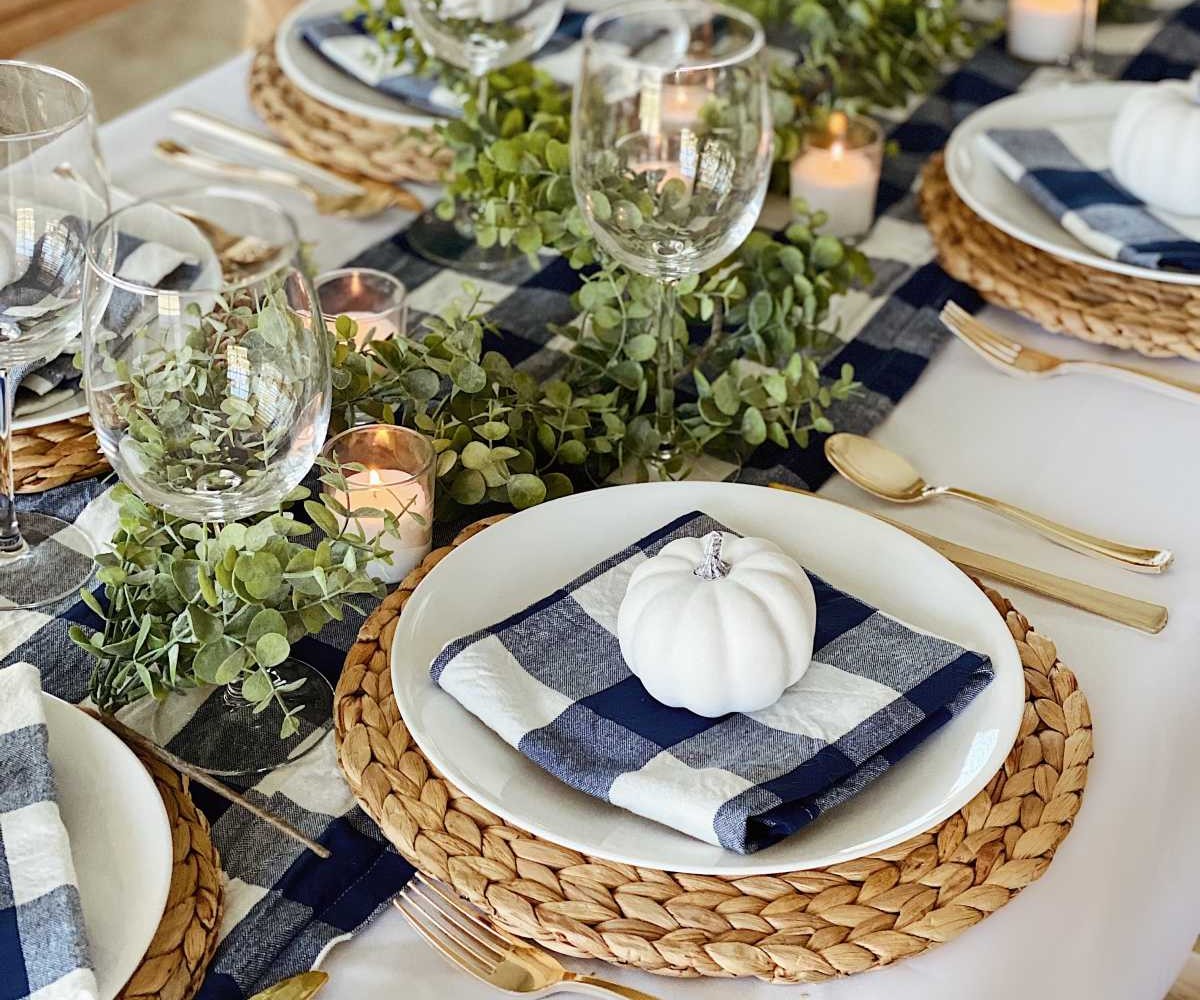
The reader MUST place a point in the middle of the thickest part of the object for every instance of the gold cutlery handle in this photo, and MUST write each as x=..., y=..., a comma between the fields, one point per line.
x=1176, y=388
x=1131, y=557
x=603, y=988
x=170, y=150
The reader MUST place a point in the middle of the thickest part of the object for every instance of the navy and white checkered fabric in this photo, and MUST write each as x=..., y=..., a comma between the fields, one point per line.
x=284, y=907
x=551, y=681
x=1065, y=169
x=349, y=46
x=43, y=943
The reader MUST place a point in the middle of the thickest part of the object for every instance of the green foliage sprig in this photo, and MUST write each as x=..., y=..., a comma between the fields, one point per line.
x=190, y=604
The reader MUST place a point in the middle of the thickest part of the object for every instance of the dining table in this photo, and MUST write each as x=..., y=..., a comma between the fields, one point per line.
x=1117, y=913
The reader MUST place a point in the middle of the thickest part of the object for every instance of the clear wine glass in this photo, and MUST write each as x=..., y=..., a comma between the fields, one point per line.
x=53, y=190
x=208, y=377
x=478, y=36
x=671, y=143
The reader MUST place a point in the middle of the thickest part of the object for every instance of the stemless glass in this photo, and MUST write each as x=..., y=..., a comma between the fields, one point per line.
x=210, y=397
x=478, y=36
x=53, y=190
x=209, y=385
x=671, y=143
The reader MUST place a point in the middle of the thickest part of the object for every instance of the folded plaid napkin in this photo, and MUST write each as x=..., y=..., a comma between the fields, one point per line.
x=43, y=945
x=349, y=46
x=1066, y=171
x=550, y=680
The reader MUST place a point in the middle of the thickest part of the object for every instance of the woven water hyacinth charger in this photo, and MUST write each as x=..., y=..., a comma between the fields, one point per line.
x=183, y=946
x=55, y=454
x=1154, y=318
x=338, y=139
x=793, y=927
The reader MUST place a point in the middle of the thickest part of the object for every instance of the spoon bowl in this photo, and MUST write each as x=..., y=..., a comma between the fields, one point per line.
x=876, y=469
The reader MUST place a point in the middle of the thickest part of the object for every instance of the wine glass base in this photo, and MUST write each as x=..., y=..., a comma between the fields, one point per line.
x=451, y=244
x=225, y=738
x=54, y=563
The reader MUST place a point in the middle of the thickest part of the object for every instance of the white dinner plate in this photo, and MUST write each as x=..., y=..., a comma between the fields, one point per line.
x=524, y=557
x=320, y=79
x=996, y=199
x=120, y=840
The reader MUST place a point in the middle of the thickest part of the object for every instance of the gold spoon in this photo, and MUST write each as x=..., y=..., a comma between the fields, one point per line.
x=889, y=476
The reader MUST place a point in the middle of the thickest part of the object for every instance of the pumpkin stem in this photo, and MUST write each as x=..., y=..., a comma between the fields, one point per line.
x=711, y=567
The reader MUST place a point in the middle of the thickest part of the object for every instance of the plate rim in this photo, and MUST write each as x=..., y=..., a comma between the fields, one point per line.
x=123, y=971
x=1074, y=251
x=732, y=864
x=285, y=35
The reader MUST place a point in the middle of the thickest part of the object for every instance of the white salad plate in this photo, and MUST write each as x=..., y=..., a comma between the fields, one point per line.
x=320, y=79
x=524, y=557
x=996, y=199
x=120, y=840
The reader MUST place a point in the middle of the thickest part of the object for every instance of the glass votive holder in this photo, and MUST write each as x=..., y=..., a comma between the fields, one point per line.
x=838, y=171
x=1052, y=31
x=375, y=300
x=392, y=471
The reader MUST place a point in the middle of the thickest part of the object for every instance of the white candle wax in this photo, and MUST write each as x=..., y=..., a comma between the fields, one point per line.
x=371, y=327
x=840, y=182
x=1044, y=31
x=391, y=492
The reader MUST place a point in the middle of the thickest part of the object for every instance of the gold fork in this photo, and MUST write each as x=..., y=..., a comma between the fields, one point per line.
x=458, y=931
x=1018, y=359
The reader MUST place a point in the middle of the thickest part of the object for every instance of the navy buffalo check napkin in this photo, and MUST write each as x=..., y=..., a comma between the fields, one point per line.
x=43, y=945
x=551, y=681
x=1066, y=171
x=350, y=47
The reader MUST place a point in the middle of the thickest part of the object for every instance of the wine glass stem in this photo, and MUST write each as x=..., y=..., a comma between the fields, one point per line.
x=10, y=535
x=664, y=399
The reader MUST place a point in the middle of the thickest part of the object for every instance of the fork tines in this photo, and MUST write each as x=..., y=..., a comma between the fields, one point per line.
x=452, y=927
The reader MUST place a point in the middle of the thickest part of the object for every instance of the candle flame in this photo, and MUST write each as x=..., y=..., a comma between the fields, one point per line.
x=839, y=124
x=837, y=150
x=373, y=477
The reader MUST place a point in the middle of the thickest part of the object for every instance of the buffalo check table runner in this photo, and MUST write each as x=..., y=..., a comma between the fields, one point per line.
x=43, y=942
x=550, y=680
x=283, y=906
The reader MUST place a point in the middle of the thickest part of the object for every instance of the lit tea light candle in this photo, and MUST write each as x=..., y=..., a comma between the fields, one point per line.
x=1045, y=31
x=680, y=105
x=393, y=474
x=838, y=174
x=375, y=300
x=398, y=494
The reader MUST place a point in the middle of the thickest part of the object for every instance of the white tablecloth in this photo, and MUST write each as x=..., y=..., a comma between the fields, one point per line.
x=1117, y=912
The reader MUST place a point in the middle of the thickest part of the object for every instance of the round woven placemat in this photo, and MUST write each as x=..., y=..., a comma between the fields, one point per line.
x=1152, y=317
x=55, y=454
x=792, y=927
x=174, y=965
x=336, y=138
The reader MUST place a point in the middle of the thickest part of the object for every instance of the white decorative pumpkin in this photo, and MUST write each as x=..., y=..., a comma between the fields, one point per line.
x=718, y=624
x=1155, y=145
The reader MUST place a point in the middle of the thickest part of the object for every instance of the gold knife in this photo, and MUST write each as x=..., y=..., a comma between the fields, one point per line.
x=1130, y=611
x=300, y=987
x=202, y=121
